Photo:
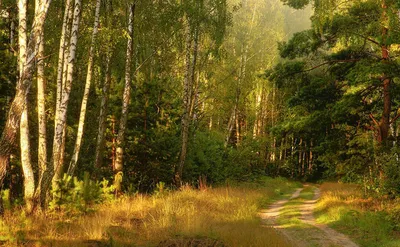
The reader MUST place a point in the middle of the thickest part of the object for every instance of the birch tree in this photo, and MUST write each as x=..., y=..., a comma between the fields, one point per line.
x=187, y=93
x=60, y=121
x=29, y=179
x=48, y=174
x=43, y=165
x=126, y=99
x=8, y=139
x=82, y=115
x=104, y=99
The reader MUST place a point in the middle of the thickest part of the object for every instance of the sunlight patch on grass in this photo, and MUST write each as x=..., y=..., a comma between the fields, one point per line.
x=366, y=220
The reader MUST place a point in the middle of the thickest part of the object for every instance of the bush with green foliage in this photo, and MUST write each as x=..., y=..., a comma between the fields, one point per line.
x=71, y=194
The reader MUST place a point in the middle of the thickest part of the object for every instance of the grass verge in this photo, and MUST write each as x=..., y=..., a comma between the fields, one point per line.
x=227, y=214
x=371, y=222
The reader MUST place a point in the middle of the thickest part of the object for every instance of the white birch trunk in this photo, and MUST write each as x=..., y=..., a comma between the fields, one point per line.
x=57, y=169
x=194, y=92
x=12, y=34
x=29, y=179
x=65, y=33
x=231, y=124
x=82, y=115
x=8, y=139
x=59, y=141
x=22, y=36
x=126, y=97
x=43, y=165
x=258, y=107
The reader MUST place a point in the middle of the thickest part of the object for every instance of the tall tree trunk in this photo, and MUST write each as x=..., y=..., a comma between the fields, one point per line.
x=237, y=132
x=281, y=149
x=61, y=52
x=82, y=115
x=310, y=160
x=273, y=155
x=300, y=148
x=285, y=149
x=8, y=139
x=186, y=105
x=29, y=179
x=126, y=100
x=242, y=77
x=195, y=86
x=258, y=107
x=114, y=142
x=104, y=101
x=22, y=35
x=231, y=125
x=59, y=135
x=12, y=33
x=103, y=114
x=43, y=165
x=384, y=124
x=61, y=74
x=264, y=121
x=293, y=144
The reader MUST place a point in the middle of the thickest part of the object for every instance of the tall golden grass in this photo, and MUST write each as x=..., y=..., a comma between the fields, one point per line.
x=227, y=214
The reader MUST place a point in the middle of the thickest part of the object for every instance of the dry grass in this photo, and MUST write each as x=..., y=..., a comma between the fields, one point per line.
x=227, y=214
x=370, y=221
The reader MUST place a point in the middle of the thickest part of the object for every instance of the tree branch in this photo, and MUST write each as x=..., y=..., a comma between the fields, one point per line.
x=374, y=120
x=395, y=119
x=331, y=62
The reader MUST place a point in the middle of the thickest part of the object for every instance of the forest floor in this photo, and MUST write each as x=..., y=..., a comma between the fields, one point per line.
x=294, y=218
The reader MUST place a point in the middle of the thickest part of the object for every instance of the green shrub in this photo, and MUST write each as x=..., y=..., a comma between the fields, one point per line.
x=74, y=194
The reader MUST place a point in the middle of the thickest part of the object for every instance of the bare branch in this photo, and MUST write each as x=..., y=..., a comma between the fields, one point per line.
x=374, y=120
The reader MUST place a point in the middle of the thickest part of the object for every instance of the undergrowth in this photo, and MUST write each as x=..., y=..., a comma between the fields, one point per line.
x=227, y=214
x=370, y=221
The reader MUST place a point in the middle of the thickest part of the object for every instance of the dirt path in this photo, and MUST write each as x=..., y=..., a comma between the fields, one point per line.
x=272, y=213
x=307, y=217
x=312, y=233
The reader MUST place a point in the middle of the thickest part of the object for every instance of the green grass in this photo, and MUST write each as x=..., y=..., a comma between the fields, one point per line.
x=227, y=214
x=366, y=220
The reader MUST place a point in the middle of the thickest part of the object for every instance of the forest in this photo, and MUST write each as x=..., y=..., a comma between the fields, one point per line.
x=188, y=122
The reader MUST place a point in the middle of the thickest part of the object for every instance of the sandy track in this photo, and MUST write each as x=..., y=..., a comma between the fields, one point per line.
x=325, y=237
x=307, y=217
x=272, y=213
x=269, y=218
